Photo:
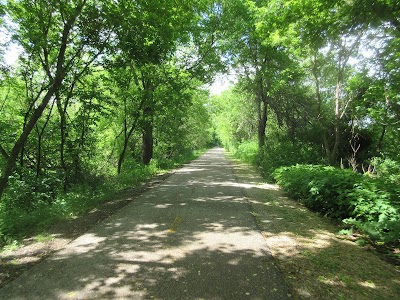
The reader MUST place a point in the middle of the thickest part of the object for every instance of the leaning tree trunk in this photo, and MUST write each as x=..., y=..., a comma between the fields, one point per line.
x=13, y=156
x=128, y=134
x=37, y=113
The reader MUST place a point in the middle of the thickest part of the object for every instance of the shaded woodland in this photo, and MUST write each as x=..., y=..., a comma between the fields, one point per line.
x=104, y=94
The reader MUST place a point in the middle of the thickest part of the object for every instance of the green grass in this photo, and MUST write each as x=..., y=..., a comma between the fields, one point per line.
x=44, y=237
x=368, y=204
x=18, y=222
x=317, y=262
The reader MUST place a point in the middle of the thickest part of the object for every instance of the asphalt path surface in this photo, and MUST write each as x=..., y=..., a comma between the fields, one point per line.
x=191, y=237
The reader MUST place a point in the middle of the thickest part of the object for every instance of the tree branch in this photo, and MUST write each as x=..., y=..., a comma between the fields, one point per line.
x=3, y=152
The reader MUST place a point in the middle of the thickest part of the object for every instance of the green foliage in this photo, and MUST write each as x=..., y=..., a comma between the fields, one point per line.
x=248, y=152
x=25, y=211
x=27, y=192
x=232, y=123
x=177, y=159
x=370, y=204
x=126, y=79
x=281, y=151
x=91, y=81
x=387, y=169
x=134, y=174
x=286, y=146
x=184, y=124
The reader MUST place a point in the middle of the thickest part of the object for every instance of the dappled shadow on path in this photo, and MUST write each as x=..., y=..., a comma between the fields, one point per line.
x=192, y=237
x=317, y=262
x=35, y=248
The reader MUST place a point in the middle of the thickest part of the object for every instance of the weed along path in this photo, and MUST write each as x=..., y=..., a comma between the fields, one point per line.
x=191, y=237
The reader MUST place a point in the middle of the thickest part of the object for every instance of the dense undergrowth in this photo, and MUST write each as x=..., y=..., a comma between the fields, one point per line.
x=368, y=203
x=32, y=206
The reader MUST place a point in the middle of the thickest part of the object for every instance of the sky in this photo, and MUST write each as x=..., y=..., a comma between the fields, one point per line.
x=222, y=82
x=11, y=54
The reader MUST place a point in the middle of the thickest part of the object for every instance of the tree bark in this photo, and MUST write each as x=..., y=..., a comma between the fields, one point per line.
x=63, y=127
x=262, y=107
x=147, y=135
x=12, y=159
x=128, y=134
x=336, y=125
x=148, y=115
x=381, y=138
x=262, y=120
x=39, y=153
x=40, y=134
x=320, y=118
x=37, y=113
x=3, y=152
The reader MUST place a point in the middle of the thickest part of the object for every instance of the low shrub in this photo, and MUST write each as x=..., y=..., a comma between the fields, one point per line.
x=387, y=168
x=247, y=152
x=283, y=152
x=32, y=205
x=370, y=204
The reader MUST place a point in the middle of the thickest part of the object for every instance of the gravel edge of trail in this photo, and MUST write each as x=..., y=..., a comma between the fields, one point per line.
x=242, y=172
x=242, y=242
x=304, y=253
x=14, y=263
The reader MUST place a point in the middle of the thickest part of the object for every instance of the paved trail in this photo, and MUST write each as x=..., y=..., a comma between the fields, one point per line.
x=191, y=237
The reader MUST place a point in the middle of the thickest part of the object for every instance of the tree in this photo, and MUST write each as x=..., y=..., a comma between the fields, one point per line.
x=322, y=34
x=232, y=115
x=267, y=66
x=61, y=38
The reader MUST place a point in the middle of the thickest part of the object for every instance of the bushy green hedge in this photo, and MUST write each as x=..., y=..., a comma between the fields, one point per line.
x=280, y=151
x=247, y=152
x=371, y=204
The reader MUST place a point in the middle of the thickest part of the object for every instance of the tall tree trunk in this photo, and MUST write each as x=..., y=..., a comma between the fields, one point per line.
x=147, y=135
x=38, y=154
x=147, y=125
x=122, y=154
x=381, y=138
x=40, y=139
x=262, y=120
x=336, y=125
x=320, y=118
x=128, y=134
x=344, y=54
x=262, y=107
x=337, y=136
x=29, y=95
x=22, y=151
x=62, y=111
x=37, y=113
x=12, y=159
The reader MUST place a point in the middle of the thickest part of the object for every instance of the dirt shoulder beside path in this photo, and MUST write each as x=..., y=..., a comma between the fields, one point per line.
x=192, y=236
x=34, y=249
x=317, y=262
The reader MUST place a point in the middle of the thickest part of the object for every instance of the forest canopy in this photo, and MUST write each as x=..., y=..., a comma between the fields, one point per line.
x=108, y=91
x=317, y=105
